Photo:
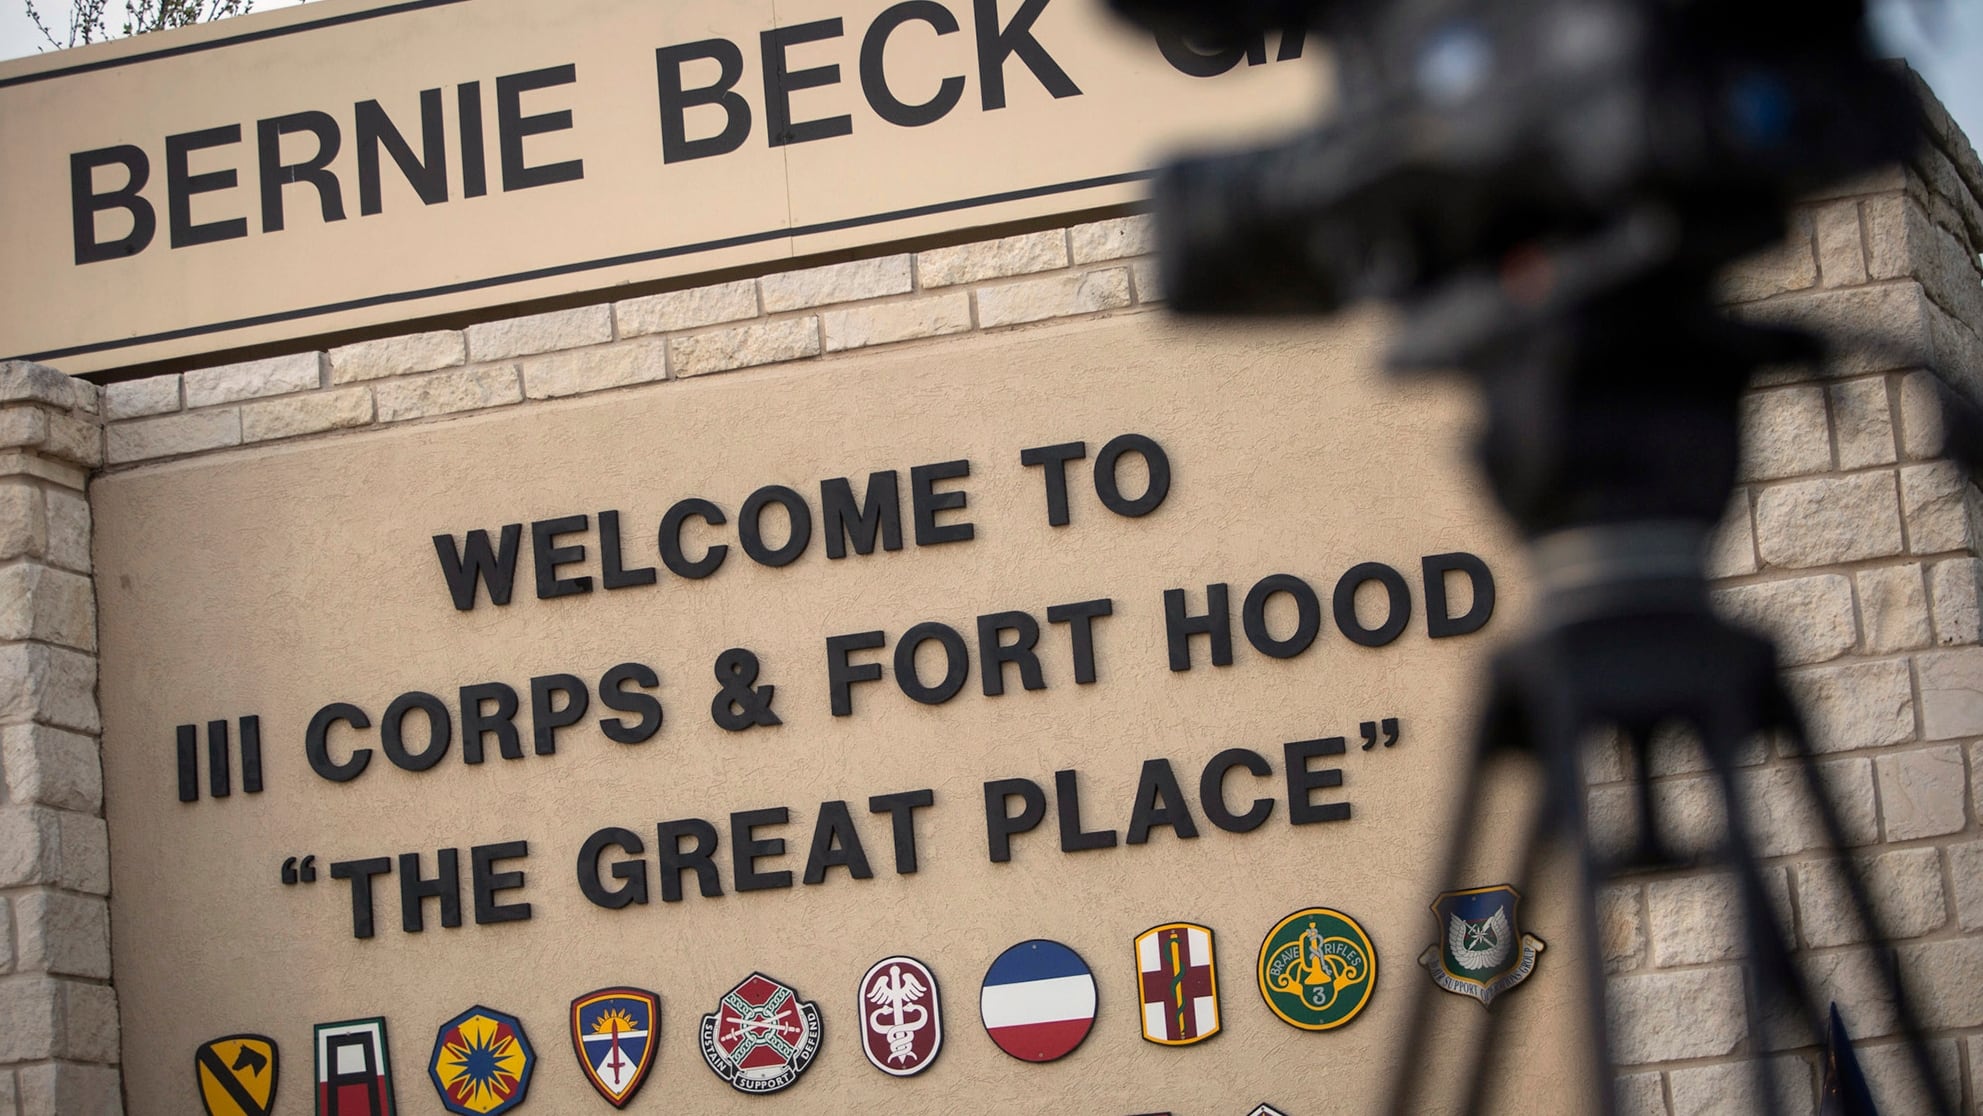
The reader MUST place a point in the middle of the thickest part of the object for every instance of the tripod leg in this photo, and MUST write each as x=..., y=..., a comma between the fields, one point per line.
x=1482, y=1067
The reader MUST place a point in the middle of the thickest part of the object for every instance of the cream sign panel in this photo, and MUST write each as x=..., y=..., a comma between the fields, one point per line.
x=955, y=694
x=346, y=163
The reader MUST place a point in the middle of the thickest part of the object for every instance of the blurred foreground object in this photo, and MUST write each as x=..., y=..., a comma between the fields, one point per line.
x=1547, y=190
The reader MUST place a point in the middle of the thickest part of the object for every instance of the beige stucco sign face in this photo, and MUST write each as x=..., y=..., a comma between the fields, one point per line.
x=353, y=162
x=1062, y=634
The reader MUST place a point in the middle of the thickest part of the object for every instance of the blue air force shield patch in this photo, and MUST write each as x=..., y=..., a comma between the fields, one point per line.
x=1481, y=951
x=615, y=1032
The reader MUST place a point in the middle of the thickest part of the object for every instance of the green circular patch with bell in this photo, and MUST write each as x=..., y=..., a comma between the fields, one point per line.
x=1317, y=969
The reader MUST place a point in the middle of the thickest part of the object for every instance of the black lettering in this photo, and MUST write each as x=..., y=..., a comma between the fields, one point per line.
x=474, y=562
x=676, y=100
x=957, y=663
x=85, y=202
x=995, y=45
x=415, y=890
x=1180, y=626
x=474, y=158
x=543, y=544
x=671, y=859
x=440, y=731
x=1157, y=467
x=512, y=127
x=546, y=718
x=1301, y=782
x=316, y=742
x=1439, y=623
x=780, y=83
x=631, y=872
x=842, y=673
x=928, y=502
x=181, y=184
x=360, y=873
x=613, y=572
x=1159, y=801
x=836, y=844
x=1067, y=801
x=1019, y=652
x=878, y=516
x=1212, y=791
x=1308, y=616
x=428, y=175
x=1398, y=604
x=746, y=849
x=1053, y=460
x=613, y=695
x=670, y=539
x=275, y=174
x=1192, y=60
x=490, y=883
x=1001, y=824
x=750, y=528
x=1080, y=618
x=874, y=74
x=475, y=724
x=901, y=809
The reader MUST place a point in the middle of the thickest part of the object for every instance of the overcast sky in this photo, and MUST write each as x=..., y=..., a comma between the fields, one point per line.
x=1943, y=38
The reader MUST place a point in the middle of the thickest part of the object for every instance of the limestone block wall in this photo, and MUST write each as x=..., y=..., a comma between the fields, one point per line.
x=1850, y=539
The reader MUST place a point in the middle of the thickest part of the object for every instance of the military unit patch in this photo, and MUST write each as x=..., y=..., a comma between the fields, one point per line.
x=1266, y=1110
x=901, y=1016
x=1038, y=1001
x=615, y=1032
x=761, y=1037
x=237, y=1075
x=1317, y=969
x=481, y=1063
x=1481, y=951
x=354, y=1069
x=1178, y=984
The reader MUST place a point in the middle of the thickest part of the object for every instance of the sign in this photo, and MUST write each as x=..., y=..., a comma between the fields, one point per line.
x=1317, y=969
x=238, y=1075
x=1177, y=981
x=616, y=1032
x=1482, y=951
x=354, y=1069
x=901, y=1016
x=482, y=1063
x=377, y=161
x=761, y=1037
x=1038, y=1001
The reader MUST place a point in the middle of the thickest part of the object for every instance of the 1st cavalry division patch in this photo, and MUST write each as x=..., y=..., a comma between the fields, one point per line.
x=354, y=1069
x=761, y=1037
x=615, y=1032
x=1177, y=984
x=1481, y=950
x=901, y=1016
x=237, y=1075
x=482, y=1062
x=1317, y=969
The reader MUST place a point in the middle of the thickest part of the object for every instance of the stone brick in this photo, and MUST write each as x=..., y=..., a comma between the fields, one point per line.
x=68, y=935
x=1784, y=821
x=1893, y=603
x=6, y=944
x=9, y=1097
x=23, y=381
x=1828, y=521
x=23, y=520
x=1855, y=705
x=89, y=1022
x=51, y=605
x=1934, y=500
x=1640, y=1094
x=841, y=282
x=1921, y=793
x=1663, y=1017
x=1730, y=1089
x=1904, y=242
x=30, y=845
x=69, y=1089
x=139, y=398
x=1891, y=319
x=231, y=383
x=561, y=374
x=884, y=322
x=30, y=1017
x=1149, y=279
x=449, y=392
x=992, y=259
x=1788, y=266
x=51, y=767
x=1956, y=587
x=1966, y=870
x=1895, y=1081
x=68, y=515
x=397, y=356
x=1113, y=239
x=1785, y=433
x=1955, y=350
x=1811, y=618
x=150, y=439
x=540, y=333
x=1921, y=430
x=744, y=346
x=1943, y=978
x=1695, y=919
x=57, y=434
x=306, y=414
x=82, y=853
x=1841, y=257
x=1620, y=928
x=50, y=684
x=1054, y=296
x=1732, y=547
x=1976, y=784
x=1676, y=750
x=1976, y=1069
x=690, y=309
x=1850, y=977
x=1951, y=692
x=1905, y=888
x=1862, y=423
